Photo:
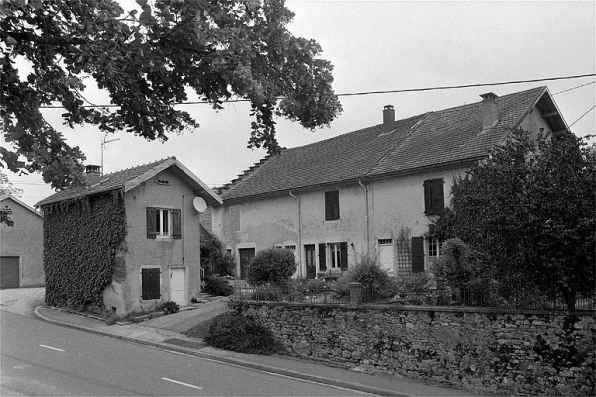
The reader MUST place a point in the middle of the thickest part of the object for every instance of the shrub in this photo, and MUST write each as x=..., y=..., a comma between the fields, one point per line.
x=272, y=266
x=218, y=286
x=170, y=307
x=368, y=272
x=296, y=296
x=237, y=303
x=238, y=333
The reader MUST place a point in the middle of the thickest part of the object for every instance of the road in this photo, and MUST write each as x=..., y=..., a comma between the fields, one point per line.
x=39, y=358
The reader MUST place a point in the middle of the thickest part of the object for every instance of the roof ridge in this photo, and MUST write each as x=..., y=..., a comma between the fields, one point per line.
x=139, y=166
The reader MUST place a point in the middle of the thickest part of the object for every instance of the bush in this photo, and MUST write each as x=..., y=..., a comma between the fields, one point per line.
x=238, y=333
x=369, y=273
x=170, y=307
x=272, y=266
x=237, y=303
x=218, y=286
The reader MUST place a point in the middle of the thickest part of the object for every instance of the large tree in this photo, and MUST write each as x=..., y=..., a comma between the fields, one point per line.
x=145, y=58
x=530, y=209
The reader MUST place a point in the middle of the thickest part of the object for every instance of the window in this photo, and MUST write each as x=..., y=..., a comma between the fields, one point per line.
x=332, y=205
x=333, y=254
x=433, y=196
x=385, y=241
x=290, y=247
x=164, y=223
x=235, y=218
x=150, y=281
x=434, y=247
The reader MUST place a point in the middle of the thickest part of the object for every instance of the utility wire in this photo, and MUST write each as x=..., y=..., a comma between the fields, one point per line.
x=574, y=88
x=582, y=116
x=384, y=92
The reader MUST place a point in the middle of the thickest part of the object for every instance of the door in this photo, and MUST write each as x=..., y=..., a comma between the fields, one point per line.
x=311, y=263
x=178, y=285
x=246, y=254
x=386, y=254
x=9, y=272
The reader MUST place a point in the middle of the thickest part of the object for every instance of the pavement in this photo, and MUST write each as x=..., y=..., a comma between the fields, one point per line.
x=165, y=333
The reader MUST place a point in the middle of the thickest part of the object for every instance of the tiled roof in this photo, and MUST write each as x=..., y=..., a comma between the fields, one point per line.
x=431, y=139
x=131, y=177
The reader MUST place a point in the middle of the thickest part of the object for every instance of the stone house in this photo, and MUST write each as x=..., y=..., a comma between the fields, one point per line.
x=21, y=244
x=374, y=190
x=154, y=258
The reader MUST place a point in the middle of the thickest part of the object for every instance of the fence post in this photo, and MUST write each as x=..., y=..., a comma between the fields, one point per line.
x=355, y=294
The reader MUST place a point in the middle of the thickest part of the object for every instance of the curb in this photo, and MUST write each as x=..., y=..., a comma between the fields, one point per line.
x=235, y=361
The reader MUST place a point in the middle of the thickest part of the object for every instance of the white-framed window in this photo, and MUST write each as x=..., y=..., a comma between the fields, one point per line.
x=434, y=248
x=164, y=223
x=334, y=256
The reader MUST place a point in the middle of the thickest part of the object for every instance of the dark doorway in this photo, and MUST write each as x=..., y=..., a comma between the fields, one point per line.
x=311, y=264
x=9, y=272
x=246, y=254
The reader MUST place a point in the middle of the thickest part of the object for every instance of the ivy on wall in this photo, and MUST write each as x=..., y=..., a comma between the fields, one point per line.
x=81, y=239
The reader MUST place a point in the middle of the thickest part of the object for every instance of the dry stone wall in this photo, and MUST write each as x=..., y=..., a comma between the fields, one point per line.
x=510, y=352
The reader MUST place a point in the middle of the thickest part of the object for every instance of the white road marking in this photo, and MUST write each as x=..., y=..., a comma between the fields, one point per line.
x=182, y=383
x=53, y=348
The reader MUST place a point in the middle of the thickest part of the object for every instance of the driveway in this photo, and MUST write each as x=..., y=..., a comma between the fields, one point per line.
x=22, y=300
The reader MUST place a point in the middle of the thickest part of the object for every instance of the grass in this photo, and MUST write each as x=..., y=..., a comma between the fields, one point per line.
x=200, y=330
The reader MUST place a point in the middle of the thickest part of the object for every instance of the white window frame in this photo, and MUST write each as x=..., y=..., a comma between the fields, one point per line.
x=434, y=248
x=159, y=223
x=334, y=253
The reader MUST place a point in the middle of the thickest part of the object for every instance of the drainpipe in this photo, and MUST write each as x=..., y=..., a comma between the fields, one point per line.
x=299, y=247
x=182, y=229
x=366, y=215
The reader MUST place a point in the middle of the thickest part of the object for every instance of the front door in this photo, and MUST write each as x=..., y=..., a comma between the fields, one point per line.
x=9, y=272
x=178, y=286
x=386, y=254
x=246, y=254
x=311, y=263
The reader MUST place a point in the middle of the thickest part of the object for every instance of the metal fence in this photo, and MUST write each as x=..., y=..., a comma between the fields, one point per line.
x=521, y=299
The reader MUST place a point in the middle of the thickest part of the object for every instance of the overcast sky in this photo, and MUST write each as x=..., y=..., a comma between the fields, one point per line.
x=380, y=46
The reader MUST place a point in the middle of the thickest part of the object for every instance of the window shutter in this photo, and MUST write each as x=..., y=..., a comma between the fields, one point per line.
x=437, y=196
x=332, y=205
x=427, y=197
x=150, y=284
x=322, y=258
x=176, y=224
x=343, y=254
x=151, y=227
x=417, y=254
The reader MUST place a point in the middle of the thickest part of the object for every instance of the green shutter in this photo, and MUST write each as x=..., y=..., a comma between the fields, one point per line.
x=322, y=258
x=427, y=197
x=437, y=196
x=151, y=227
x=417, y=254
x=176, y=224
x=343, y=255
x=332, y=205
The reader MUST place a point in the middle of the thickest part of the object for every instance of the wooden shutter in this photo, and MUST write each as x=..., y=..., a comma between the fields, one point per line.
x=332, y=205
x=176, y=224
x=343, y=255
x=427, y=197
x=151, y=227
x=417, y=254
x=322, y=258
x=150, y=283
x=437, y=196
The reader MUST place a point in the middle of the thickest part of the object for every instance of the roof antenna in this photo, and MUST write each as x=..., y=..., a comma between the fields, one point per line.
x=103, y=144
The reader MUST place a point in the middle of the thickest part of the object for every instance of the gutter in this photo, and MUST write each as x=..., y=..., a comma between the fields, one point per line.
x=299, y=245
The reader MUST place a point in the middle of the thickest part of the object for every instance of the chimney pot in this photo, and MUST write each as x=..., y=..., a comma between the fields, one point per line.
x=388, y=115
x=93, y=173
x=489, y=110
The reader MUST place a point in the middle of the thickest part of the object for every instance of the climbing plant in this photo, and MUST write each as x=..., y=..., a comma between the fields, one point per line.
x=81, y=238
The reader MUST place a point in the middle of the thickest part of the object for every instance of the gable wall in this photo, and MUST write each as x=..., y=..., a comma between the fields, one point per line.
x=166, y=253
x=24, y=240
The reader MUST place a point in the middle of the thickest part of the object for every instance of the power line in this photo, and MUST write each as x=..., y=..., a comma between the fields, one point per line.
x=384, y=92
x=574, y=88
x=582, y=116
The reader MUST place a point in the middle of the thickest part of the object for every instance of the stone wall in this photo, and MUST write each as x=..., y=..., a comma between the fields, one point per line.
x=504, y=351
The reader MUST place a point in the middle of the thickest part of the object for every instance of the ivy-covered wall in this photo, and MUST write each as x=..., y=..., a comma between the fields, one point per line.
x=81, y=239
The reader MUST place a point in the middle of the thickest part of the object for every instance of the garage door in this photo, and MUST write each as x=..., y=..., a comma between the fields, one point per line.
x=9, y=272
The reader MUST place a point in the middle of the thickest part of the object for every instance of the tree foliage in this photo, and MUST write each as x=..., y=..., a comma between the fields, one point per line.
x=530, y=211
x=271, y=266
x=7, y=187
x=146, y=61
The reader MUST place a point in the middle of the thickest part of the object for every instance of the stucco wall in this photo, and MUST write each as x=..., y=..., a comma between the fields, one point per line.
x=164, y=253
x=510, y=352
x=24, y=240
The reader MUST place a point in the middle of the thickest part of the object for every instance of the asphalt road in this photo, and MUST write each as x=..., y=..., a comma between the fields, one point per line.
x=39, y=358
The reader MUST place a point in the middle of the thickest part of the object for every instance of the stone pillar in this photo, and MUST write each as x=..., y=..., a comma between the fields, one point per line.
x=355, y=294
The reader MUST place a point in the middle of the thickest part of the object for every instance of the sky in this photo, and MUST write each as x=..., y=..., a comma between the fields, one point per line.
x=380, y=46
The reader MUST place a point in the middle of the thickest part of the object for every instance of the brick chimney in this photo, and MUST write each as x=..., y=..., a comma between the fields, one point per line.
x=388, y=115
x=489, y=110
x=93, y=173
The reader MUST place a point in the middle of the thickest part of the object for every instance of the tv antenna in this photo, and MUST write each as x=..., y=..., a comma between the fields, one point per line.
x=103, y=144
